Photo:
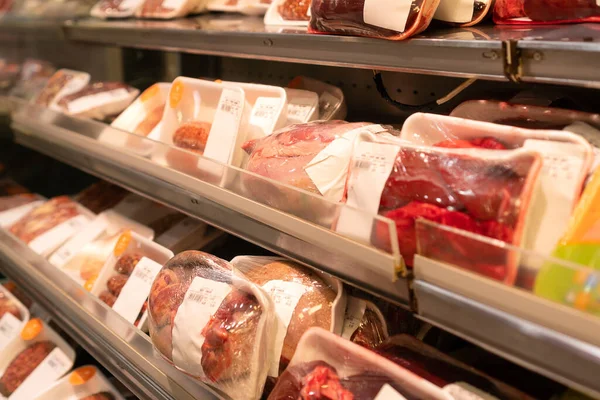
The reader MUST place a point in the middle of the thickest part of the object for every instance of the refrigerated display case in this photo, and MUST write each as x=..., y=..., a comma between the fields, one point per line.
x=382, y=208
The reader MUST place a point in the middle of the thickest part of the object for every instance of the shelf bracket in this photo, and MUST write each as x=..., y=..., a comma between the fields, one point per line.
x=512, y=60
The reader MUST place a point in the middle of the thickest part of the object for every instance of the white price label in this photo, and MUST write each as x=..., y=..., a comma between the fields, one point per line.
x=327, y=104
x=457, y=11
x=388, y=393
x=136, y=289
x=10, y=327
x=299, y=113
x=285, y=296
x=202, y=300
x=49, y=241
x=55, y=365
x=76, y=243
x=355, y=311
x=224, y=130
x=265, y=113
x=388, y=14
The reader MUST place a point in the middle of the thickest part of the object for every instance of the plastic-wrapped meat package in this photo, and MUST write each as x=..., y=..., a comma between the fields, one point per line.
x=84, y=383
x=364, y=324
x=248, y=7
x=327, y=367
x=288, y=12
x=302, y=299
x=545, y=11
x=13, y=208
x=567, y=158
x=115, y=8
x=386, y=19
x=49, y=225
x=33, y=361
x=125, y=280
x=212, y=324
x=313, y=157
x=33, y=78
x=100, y=196
x=480, y=191
x=442, y=370
x=13, y=316
x=463, y=12
x=98, y=100
x=64, y=82
x=167, y=9
x=8, y=202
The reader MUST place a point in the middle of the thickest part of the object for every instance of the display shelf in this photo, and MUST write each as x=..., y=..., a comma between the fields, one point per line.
x=14, y=28
x=555, y=355
x=448, y=52
x=120, y=347
x=220, y=201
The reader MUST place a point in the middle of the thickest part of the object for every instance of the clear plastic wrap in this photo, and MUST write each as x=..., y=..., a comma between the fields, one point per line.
x=481, y=191
x=116, y=8
x=545, y=11
x=364, y=324
x=48, y=226
x=312, y=156
x=168, y=9
x=17, y=200
x=327, y=366
x=63, y=83
x=213, y=325
x=386, y=19
x=441, y=369
x=126, y=278
x=33, y=78
x=98, y=100
x=567, y=158
x=302, y=299
x=100, y=196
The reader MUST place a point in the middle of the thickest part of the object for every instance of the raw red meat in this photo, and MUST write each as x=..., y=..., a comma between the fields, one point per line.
x=323, y=383
x=483, y=143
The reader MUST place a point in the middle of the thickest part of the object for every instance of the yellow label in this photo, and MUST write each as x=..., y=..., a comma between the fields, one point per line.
x=585, y=222
x=122, y=243
x=176, y=93
x=32, y=328
x=82, y=375
x=149, y=93
x=89, y=284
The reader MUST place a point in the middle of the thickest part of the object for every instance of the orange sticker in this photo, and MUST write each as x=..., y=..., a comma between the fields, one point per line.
x=32, y=329
x=218, y=81
x=149, y=93
x=122, y=243
x=82, y=375
x=89, y=284
x=176, y=93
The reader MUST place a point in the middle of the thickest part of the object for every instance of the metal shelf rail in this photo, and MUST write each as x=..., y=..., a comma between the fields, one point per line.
x=120, y=347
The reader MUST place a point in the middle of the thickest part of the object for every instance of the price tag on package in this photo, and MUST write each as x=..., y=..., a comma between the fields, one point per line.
x=265, y=113
x=55, y=365
x=77, y=242
x=136, y=290
x=224, y=130
x=301, y=108
x=49, y=241
x=355, y=310
x=10, y=326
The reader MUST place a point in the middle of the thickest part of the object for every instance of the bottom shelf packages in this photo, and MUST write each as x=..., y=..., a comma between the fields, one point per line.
x=120, y=347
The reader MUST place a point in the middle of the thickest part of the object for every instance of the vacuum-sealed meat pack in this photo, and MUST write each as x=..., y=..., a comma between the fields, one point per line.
x=63, y=83
x=327, y=366
x=364, y=324
x=49, y=225
x=126, y=278
x=288, y=12
x=116, y=8
x=387, y=19
x=84, y=383
x=212, y=324
x=98, y=100
x=168, y=9
x=566, y=160
x=33, y=78
x=33, y=361
x=302, y=299
x=481, y=191
x=545, y=11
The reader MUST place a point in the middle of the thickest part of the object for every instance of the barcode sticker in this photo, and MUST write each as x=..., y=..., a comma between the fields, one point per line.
x=55, y=365
x=50, y=240
x=388, y=393
x=76, y=243
x=355, y=311
x=327, y=105
x=371, y=166
x=224, y=130
x=178, y=232
x=265, y=113
x=201, y=301
x=10, y=327
x=464, y=391
x=301, y=107
x=388, y=14
x=285, y=296
x=136, y=289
